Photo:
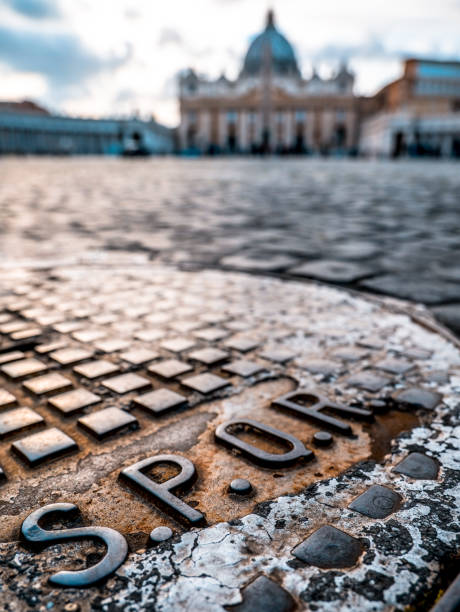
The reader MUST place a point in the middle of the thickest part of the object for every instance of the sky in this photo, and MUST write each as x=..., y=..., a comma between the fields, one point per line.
x=115, y=57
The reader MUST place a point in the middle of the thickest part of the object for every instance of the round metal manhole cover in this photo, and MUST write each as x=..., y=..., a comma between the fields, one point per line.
x=231, y=434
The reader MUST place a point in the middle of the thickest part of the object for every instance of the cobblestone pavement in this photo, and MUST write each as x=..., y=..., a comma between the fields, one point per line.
x=385, y=227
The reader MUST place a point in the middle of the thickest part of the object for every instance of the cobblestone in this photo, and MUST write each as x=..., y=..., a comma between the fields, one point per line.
x=397, y=224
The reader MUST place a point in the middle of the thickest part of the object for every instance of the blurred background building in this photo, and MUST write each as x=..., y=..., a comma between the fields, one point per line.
x=26, y=128
x=272, y=108
x=418, y=114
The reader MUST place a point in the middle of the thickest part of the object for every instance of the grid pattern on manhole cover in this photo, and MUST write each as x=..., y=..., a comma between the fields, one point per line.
x=146, y=362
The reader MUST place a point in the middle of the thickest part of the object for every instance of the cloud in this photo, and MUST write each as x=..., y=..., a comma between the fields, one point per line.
x=34, y=9
x=169, y=36
x=60, y=58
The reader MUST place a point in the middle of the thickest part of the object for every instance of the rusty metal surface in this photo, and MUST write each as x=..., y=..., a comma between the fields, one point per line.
x=239, y=344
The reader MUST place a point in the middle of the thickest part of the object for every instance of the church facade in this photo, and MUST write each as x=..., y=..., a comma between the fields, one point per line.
x=270, y=107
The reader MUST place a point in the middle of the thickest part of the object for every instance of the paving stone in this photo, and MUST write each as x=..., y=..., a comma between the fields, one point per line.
x=261, y=262
x=394, y=366
x=139, y=356
x=328, y=547
x=449, y=314
x=244, y=368
x=125, y=383
x=368, y=381
x=205, y=383
x=263, y=595
x=6, y=398
x=333, y=271
x=18, y=419
x=212, y=334
x=22, y=368
x=26, y=334
x=160, y=401
x=107, y=422
x=48, y=383
x=209, y=356
x=417, y=398
x=355, y=250
x=45, y=445
x=377, y=502
x=11, y=356
x=149, y=335
x=321, y=366
x=170, y=368
x=42, y=349
x=244, y=344
x=351, y=353
x=69, y=356
x=68, y=326
x=73, y=401
x=111, y=345
x=89, y=335
x=419, y=466
x=277, y=355
x=96, y=369
x=418, y=289
x=177, y=345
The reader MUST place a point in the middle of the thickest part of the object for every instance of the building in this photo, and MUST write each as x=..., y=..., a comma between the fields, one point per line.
x=418, y=114
x=270, y=107
x=26, y=128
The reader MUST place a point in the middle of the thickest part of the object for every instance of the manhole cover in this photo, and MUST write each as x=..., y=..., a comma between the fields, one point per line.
x=233, y=433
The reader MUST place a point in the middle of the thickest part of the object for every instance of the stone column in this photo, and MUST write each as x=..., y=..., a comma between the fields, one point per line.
x=223, y=131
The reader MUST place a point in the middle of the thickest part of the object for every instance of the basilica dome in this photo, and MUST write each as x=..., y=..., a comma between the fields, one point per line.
x=270, y=46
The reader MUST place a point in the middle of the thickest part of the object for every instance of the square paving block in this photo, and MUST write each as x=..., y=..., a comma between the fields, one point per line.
x=68, y=356
x=416, y=397
x=377, y=502
x=6, y=398
x=329, y=547
x=160, y=400
x=243, y=344
x=149, y=335
x=205, y=383
x=18, y=419
x=11, y=356
x=44, y=445
x=170, y=368
x=278, y=355
x=212, y=334
x=111, y=345
x=89, y=335
x=139, y=356
x=418, y=466
x=49, y=383
x=50, y=347
x=244, y=368
x=394, y=366
x=177, y=345
x=74, y=400
x=95, y=369
x=368, y=381
x=209, y=356
x=25, y=334
x=107, y=422
x=23, y=368
x=264, y=595
x=126, y=383
x=67, y=327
